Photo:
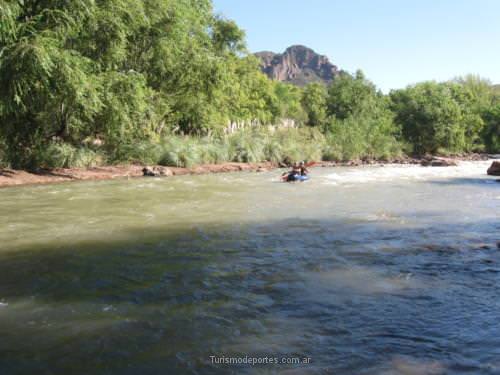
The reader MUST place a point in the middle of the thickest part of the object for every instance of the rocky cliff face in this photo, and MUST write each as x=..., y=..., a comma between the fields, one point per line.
x=298, y=65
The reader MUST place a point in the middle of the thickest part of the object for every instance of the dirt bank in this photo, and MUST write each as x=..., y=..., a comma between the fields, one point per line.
x=10, y=177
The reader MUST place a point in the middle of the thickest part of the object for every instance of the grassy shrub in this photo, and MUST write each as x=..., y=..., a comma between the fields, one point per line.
x=180, y=152
x=247, y=146
x=85, y=158
x=64, y=155
x=141, y=152
x=312, y=142
x=346, y=139
x=358, y=137
x=213, y=151
x=273, y=149
x=56, y=156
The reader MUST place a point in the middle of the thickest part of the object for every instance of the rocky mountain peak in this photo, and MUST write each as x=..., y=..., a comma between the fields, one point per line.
x=298, y=65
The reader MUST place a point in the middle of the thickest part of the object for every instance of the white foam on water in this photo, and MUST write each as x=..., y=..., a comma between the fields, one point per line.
x=407, y=172
x=412, y=366
x=362, y=280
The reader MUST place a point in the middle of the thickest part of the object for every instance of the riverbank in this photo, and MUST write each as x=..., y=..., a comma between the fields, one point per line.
x=12, y=177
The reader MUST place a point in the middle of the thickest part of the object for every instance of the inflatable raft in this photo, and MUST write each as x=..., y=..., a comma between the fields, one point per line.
x=295, y=177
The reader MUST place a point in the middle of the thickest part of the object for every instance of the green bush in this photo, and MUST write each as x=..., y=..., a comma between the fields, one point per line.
x=247, y=146
x=180, y=152
x=352, y=138
x=213, y=151
x=273, y=150
x=86, y=158
x=300, y=144
x=360, y=136
x=144, y=152
x=63, y=155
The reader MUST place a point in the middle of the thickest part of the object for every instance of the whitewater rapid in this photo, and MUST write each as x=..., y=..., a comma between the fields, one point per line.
x=408, y=172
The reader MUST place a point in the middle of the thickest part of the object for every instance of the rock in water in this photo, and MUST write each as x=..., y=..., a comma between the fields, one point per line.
x=163, y=171
x=157, y=171
x=494, y=169
x=437, y=162
x=147, y=171
x=150, y=172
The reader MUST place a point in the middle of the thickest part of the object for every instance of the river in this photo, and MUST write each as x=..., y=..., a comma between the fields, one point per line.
x=370, y=270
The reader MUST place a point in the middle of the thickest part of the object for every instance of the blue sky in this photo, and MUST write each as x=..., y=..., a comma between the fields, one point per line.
x=395, y=42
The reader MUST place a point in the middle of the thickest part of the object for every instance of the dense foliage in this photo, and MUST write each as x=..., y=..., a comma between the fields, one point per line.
x=122, y=71
x=360, y=122
x=455, y=116
x=97, y=81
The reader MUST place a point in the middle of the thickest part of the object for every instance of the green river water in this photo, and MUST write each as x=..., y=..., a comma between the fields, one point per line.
x=374, y=270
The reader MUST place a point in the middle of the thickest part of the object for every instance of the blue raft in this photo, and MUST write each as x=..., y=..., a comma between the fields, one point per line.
x=296, y=177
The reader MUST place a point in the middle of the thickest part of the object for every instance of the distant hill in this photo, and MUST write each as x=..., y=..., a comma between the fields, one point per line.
x=299, y=65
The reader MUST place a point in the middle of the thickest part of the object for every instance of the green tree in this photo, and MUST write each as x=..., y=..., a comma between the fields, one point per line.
x=227, y=36
x=361, y=123
x=491, y=130
x=46, y=89
x=287, y=103
x=350, y=94
x=430, y=117
x=124, y=70
x=475, y=97
x=314, y=97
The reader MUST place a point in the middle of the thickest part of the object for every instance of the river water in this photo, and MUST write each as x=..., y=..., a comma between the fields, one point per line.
x=372, y=270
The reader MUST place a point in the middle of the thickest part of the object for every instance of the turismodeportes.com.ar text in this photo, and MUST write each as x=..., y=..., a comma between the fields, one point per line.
x=265, y=360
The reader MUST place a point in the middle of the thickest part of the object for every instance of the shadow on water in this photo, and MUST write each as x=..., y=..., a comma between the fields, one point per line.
x=352, y=296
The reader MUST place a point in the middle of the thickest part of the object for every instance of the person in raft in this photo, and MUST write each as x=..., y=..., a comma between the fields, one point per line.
x=297, y=170
x=303, y=169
